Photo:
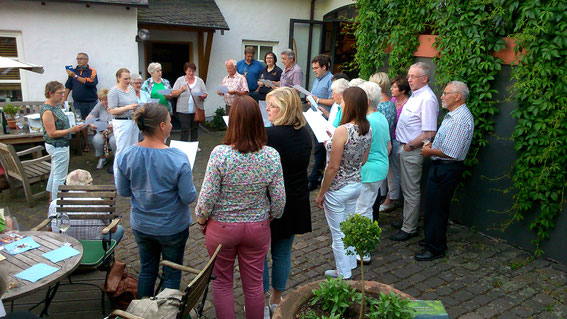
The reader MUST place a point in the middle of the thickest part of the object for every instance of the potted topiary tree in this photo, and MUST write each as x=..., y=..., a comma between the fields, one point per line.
x=11, y=110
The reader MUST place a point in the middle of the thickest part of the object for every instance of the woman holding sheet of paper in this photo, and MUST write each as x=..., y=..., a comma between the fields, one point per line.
x=157, y=83
x=346, y=153
x=104, y=139
x=271, y=73
x=191, y=93
x=159, y=182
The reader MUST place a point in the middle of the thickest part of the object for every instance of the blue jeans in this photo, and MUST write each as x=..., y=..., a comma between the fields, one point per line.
x=281, y=264
x=171, y=248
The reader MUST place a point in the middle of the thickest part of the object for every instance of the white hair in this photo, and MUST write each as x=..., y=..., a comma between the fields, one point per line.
x=373, y=91
x=461, y=87
x=356, y=82
x=79, y=177
x=289, y=53
x=230, y=61
x=424, y=67
x=339, y=86
x=135, y=76
x=153, y=67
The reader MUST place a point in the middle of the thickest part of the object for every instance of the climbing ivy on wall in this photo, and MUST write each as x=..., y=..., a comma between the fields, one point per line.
x=468, y=32
x=540, y=136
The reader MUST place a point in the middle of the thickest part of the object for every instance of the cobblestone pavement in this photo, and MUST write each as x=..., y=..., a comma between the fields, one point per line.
x=481, y=277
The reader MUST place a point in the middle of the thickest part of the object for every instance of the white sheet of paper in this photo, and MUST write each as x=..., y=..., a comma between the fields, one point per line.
x=223, y=89
x=263, y=106
x=100, y=125
x=318, y=125
x=197, y=93
x=301, y=89
x=314, y=105
x=225, y=118
x=90, y=120
x=268, y=83
x=165, y=92
x=189, y=148
x=153, y=101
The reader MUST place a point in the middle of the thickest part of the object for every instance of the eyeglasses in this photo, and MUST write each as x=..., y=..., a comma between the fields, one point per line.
x=81, y=58
x=394, y=87
x=60, y=92
x=447, y=93
x=412, y=76
x=138, y=83
x=271, y=106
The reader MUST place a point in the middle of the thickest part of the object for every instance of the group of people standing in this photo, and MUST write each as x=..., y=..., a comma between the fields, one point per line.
x=255, y=193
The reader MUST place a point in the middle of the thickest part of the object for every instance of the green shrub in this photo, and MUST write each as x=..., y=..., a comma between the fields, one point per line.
x=334, y=295
x=390, y=306
x=218, y=122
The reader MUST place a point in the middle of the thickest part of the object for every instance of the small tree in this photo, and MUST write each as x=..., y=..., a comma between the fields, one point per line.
x=363, y=235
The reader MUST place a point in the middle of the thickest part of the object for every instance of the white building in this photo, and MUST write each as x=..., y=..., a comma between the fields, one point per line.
x=207, y=32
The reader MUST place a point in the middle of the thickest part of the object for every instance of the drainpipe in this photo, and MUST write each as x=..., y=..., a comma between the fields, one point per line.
x=309, y=42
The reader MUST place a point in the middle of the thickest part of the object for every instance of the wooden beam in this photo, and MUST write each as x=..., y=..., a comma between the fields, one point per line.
x=204, y=50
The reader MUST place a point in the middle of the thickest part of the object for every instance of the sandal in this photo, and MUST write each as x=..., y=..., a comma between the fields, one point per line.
x=86, y=149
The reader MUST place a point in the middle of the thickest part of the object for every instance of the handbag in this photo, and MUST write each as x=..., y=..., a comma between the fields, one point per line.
x=120, y=286
x=199, y=113
x=166, y=305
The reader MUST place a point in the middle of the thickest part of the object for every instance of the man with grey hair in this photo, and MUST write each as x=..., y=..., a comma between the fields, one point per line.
x=89, y=229
x=235, y=82
x=416, y=125
x=448, y=152
x=292, y=73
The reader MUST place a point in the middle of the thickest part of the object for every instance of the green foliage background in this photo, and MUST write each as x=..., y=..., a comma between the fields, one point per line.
x=468, y=32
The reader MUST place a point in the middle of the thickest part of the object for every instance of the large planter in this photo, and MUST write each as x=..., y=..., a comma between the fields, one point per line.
x=290, y=305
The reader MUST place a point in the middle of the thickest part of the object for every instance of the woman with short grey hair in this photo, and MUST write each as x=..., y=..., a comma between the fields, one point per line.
x=156, y=83
x=104, y=140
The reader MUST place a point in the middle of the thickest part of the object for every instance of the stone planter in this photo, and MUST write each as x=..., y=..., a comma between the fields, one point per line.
x=293, y=301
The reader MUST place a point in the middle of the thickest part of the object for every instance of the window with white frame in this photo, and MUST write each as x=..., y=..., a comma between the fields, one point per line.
x=10, y=80
x=261, y=48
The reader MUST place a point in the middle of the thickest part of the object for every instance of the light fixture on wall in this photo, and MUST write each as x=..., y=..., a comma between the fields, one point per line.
x=143, y=35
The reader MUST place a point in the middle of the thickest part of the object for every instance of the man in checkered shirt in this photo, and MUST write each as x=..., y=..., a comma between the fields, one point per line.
x=447, y=153
x=236, y=84
x=89, y=229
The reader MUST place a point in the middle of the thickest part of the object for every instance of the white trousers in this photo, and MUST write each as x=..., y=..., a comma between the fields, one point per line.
x=59, y=168
x=368, y=194
x=339, y=205
x=126, y=133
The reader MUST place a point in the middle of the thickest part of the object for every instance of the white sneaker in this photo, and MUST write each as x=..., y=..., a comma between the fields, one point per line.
x=101, y=163
x=266, y=312
x=384, y=208
x=365, y=259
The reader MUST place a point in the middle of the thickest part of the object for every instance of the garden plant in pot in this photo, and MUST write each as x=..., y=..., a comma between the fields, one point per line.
x=337, y=298
x=11, y=110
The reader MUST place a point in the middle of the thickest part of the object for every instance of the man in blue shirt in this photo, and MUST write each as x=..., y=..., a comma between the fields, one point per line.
x=323, y=96
x=251, y=69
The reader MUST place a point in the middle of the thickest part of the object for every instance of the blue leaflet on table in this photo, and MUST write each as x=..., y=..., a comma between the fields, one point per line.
x=22, y=245
x=61, y=253
x=36, y=272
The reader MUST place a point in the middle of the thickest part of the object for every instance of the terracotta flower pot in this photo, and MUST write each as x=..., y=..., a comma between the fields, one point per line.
x=12, y=124
x=290, y=305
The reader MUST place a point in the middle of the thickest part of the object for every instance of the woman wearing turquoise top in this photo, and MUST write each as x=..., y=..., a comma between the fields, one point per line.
x=156, y=83
x=57, y=134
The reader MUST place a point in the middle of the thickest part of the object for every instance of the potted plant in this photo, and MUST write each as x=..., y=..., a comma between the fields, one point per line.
x=11, y=110
x=335, y=295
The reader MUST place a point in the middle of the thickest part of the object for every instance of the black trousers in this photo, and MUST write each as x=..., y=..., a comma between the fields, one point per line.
x=441, y=183
x=188, y=125
x=320, y=155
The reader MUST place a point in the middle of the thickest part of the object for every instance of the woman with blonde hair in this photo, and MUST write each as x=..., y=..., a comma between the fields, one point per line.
x=291, y=138
x=103, y=141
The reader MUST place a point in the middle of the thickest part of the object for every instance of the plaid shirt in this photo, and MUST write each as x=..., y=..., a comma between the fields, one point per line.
x=455, y=134
x=237, y=82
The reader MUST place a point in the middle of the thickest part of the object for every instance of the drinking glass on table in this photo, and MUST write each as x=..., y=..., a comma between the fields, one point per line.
x=64, y=223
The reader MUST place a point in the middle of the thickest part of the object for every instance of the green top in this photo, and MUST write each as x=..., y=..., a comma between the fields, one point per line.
x=155, y=95
x=61, y=123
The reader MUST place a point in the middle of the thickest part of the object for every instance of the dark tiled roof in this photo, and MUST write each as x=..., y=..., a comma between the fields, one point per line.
x=130, y=3
x=192, y=13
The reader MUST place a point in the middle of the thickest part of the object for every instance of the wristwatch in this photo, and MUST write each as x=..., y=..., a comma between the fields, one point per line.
x=317, y=100
x=76, y=76
x=411, y=147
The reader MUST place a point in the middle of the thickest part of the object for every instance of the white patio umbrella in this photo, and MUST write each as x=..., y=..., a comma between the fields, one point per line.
x=6, y=64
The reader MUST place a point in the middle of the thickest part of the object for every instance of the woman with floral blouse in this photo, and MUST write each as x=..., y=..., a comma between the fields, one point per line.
x=234, y=210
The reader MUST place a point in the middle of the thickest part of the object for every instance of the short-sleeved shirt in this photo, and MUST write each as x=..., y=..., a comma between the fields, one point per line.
x=99, y=112
x=159, y=183
x=152, y=87
x=119, y=98
x=418, y=115
x=61, y=123
x=292, y=76
x=251, y=72
x=354, y=150
x=322, y=87
x=144, y=97
x=237, y=82
x=455, y=134
x=274, y=75
x=376, y=167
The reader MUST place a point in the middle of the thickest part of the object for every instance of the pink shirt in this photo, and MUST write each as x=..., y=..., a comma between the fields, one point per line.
x=419, y=114
x=237, y=82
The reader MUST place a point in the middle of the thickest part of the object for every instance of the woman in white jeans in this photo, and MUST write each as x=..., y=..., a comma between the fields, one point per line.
x=346, y=153
x=122, y=101
x=57, y=134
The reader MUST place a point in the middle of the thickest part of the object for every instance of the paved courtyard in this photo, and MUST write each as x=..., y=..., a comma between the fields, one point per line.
x=481, y=277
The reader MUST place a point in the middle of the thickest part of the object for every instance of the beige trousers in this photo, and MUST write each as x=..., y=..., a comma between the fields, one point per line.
x=411, y=164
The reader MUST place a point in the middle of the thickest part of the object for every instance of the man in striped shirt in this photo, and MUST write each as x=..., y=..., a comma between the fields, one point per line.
x=447, y=153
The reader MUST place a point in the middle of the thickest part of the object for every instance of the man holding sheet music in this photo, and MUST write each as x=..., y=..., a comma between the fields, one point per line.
x=251, y=69
x=322, y=95
x=233, y=85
